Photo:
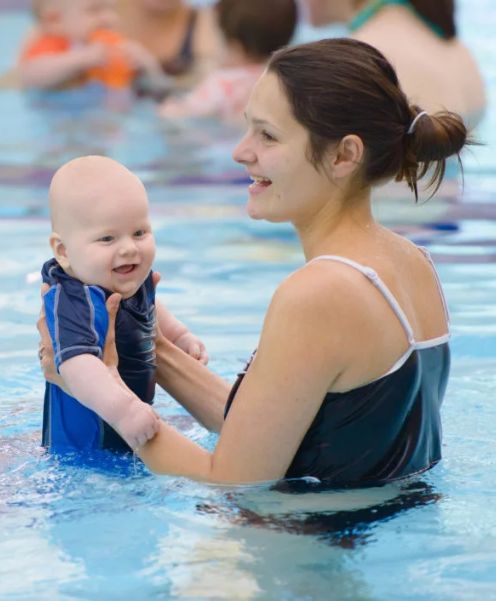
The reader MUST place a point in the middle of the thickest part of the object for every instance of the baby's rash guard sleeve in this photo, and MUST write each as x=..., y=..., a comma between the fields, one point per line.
x=77, y=320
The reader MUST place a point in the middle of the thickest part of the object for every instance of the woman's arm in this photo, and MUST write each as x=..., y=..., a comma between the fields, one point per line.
x=296, y=363
x=201, y=392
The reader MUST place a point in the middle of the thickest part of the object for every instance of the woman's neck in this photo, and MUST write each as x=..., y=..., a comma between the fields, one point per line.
x=339, y=227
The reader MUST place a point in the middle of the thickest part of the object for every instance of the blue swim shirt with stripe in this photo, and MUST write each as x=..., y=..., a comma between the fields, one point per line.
x=77, y=320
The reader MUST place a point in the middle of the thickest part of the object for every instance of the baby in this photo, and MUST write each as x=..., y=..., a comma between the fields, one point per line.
x=75, y=42
x=103, y=243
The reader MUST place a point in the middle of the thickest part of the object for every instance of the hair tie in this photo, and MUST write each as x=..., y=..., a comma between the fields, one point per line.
x=411, y=129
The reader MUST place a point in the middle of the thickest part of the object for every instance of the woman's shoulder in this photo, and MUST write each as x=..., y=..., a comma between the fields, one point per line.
x=321, y=287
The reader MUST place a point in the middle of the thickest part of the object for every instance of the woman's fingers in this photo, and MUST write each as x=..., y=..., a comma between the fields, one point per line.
x=45, y=348
x=45, y=344
x=45, y=340
x=110, y=357
x=156, y=277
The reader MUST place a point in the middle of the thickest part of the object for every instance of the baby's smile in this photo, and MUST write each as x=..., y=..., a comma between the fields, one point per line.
x=126, y=269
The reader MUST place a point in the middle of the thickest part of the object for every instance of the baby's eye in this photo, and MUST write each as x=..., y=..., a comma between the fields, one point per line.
x=105, y=239
x=139, y=233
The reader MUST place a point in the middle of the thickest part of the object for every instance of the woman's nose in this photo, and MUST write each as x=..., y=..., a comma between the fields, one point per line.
x=243, y=152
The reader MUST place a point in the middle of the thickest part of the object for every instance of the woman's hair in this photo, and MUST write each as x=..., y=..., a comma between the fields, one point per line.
x=337, y=87
x=259, y=26
x=440, y=13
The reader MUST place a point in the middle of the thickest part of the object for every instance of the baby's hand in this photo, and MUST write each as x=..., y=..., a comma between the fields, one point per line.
x=138, y=424
x=138, y=56
x=94, y=54
x=192, y=345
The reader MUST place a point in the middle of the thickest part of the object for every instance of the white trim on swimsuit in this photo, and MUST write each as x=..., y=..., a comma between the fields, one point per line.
x=374, y=278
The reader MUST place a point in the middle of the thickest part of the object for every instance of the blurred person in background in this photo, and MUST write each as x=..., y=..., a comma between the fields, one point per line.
x=419, y=37
x=185, y=40
x=76, y=42
x=252, y=31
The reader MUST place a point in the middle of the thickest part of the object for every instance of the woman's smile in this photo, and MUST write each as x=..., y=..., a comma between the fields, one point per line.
x=259, y=185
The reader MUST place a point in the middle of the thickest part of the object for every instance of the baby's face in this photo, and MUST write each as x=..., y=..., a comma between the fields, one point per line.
x=110, y=242
x=80, y=18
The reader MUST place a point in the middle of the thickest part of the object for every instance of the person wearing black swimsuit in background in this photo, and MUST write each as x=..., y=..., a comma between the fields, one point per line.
x=420, y=38
x=184, y=39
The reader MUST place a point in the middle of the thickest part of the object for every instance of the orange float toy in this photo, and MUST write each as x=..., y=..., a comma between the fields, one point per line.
x=117, y=72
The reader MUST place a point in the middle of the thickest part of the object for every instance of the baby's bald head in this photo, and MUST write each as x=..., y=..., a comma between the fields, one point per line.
x=101, y=221
x=80, y=186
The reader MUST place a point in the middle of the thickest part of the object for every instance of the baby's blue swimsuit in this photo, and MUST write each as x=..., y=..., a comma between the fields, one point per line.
x=77, y=320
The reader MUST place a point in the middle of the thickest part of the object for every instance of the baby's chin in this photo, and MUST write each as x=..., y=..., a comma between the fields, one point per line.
x=125, y=291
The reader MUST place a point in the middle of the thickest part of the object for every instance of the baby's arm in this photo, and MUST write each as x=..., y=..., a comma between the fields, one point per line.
x=94, y=386
x=54, y=69
x=204, y=100
x=175, y=331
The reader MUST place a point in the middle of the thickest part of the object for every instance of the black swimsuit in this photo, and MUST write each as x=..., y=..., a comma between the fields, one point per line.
x=183, y=61
x=383, y=431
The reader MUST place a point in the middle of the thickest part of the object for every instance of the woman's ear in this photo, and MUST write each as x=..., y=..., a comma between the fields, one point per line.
x=59, y=250
x=347, y=156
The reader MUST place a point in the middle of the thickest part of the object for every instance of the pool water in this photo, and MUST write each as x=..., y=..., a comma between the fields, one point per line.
x=106, y=529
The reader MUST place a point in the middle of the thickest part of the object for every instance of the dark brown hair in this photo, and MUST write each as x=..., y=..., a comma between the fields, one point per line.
x=260, y=26
x=341, y=86
x=440, y=13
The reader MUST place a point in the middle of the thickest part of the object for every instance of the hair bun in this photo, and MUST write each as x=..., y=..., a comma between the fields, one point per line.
x=430, y=139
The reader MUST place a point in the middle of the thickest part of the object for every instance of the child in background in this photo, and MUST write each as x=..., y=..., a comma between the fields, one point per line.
x=253, y=29
x=75, y=43
x=102, y=243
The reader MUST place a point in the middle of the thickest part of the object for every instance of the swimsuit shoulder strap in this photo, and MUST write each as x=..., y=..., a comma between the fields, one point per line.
x=186, y=50
x=374, y=278
x=427, y=255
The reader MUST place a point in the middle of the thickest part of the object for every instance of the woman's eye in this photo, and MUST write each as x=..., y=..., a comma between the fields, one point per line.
x=266, y=136
x=106, y=239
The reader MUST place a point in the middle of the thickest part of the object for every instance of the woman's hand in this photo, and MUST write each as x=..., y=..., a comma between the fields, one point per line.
x=45, y=348
x=110, y=356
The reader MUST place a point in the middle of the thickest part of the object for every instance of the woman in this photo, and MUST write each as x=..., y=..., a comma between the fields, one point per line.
x=353, y=360
x=419, y=37
x=186, y=40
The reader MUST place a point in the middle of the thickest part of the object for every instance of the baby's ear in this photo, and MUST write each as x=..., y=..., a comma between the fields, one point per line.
x=59, y=250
